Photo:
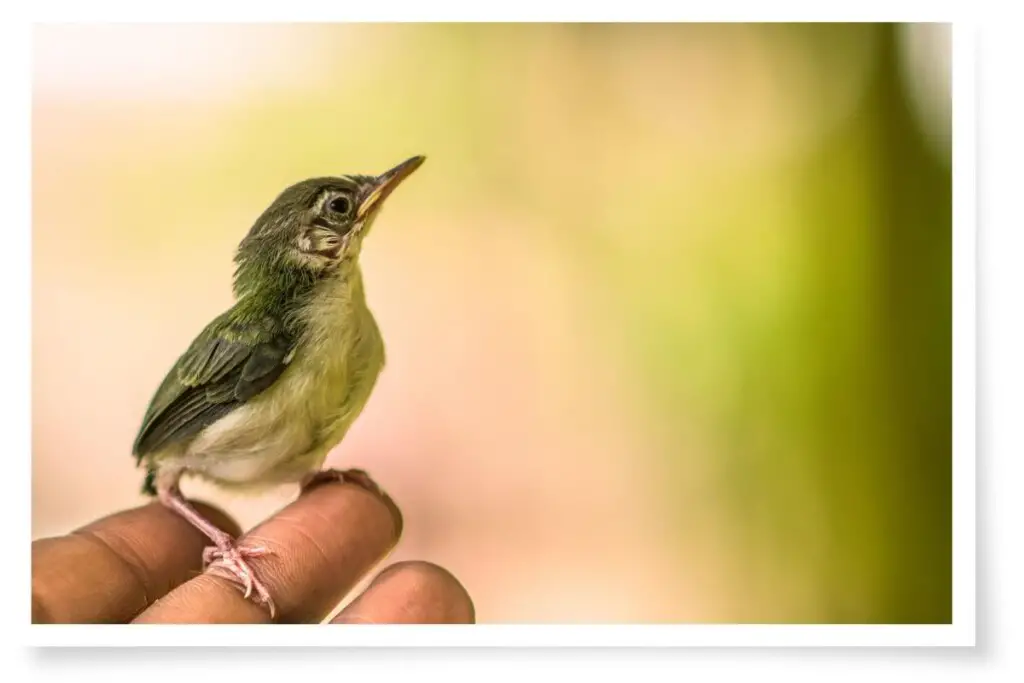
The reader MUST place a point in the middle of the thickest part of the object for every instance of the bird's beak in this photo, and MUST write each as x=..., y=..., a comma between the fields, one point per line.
x=386, y=183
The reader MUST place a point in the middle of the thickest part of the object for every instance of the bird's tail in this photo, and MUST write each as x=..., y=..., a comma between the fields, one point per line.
x=149, y=483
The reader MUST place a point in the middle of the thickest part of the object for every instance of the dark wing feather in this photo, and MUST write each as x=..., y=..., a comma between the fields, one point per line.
x=226, y=365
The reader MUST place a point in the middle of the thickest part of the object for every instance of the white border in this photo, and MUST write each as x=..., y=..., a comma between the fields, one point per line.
x=964, y=264
x=961, y=632
x=501, y=635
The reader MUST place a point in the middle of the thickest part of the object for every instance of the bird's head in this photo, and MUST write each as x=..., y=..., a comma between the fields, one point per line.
x=316, y=225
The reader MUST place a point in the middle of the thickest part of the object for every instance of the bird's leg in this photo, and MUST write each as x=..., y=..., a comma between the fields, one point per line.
x=225, y=552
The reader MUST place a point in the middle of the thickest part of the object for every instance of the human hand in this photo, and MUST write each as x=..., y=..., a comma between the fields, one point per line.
x=144, y=565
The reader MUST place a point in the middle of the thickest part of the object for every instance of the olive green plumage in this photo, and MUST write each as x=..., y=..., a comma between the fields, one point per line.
x=273, y=383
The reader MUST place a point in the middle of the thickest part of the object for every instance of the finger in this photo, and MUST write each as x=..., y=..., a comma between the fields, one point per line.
x=112, y=569
x=411, y=593
x=319, y=547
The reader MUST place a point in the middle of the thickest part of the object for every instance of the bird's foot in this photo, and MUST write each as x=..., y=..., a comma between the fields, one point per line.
x=232, y=559
x=361, y=479
x=358, y=477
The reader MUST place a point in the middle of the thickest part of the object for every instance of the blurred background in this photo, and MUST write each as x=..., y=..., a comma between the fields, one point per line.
x=667, y=310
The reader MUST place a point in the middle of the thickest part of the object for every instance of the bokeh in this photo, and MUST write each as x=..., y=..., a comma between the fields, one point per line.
x=667, y=309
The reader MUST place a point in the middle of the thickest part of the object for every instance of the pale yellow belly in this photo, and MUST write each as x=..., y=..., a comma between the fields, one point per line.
x=289, y=429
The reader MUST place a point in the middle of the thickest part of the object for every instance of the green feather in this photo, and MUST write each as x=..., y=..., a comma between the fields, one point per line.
x=226, y=365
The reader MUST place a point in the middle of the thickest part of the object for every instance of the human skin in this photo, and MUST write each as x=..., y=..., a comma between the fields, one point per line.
x=144, y=565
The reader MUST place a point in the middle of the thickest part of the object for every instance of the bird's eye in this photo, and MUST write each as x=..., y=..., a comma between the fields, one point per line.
x=340, y=205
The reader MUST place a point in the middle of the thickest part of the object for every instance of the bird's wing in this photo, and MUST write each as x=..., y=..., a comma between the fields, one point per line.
x=226, y=365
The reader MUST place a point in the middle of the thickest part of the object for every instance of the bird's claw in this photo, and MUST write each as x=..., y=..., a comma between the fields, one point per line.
x=353, y=476
x=232, y=559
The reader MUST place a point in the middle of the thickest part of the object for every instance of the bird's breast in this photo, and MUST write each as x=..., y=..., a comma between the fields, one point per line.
x=288, y=429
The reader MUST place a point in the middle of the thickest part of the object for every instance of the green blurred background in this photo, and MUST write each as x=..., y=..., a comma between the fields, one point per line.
x=668, y=309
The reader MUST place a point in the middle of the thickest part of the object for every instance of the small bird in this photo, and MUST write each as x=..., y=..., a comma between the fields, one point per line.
x=273, y=384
